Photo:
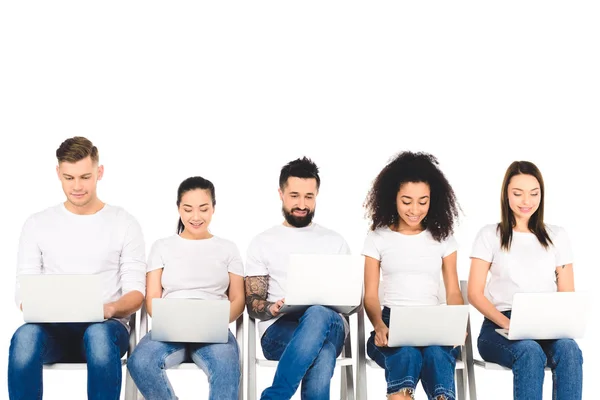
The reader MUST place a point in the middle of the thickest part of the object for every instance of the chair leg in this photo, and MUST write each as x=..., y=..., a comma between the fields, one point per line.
x=251, y=359
x=461, y=384
x=347, y=371
x=361, y=365
x=130, y=388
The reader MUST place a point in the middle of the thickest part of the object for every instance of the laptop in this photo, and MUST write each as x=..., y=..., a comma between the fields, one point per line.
x=440, y=325
x=49, y=298
x=332, y=280
x=190, y=320
x=554, y=315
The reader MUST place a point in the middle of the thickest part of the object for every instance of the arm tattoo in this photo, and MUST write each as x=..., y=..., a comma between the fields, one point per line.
x=556, y=272
x=256, y=297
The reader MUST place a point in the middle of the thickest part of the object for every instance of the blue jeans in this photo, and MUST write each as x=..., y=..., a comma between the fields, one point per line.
x=306, y=346
x=404, y=366
x=150, y=360
x=101, y=345
x=528, y=358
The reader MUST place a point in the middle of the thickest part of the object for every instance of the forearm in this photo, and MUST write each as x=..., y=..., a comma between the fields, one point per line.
x=256, y=298
x=373, y=309
x=126, y=305
x=236, y=308
x=485, y=307
x=258, y=308
x=455, y=299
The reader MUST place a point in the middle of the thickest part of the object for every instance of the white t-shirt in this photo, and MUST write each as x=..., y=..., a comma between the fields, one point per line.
x=411, y=265
x=195, y=269
x=108, y=243
x=269, y=252
x=527, y=267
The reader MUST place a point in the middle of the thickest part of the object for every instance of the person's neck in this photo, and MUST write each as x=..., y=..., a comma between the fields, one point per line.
x=90, y=208
x=407, y=230
x=186, y=235
x=521, y=225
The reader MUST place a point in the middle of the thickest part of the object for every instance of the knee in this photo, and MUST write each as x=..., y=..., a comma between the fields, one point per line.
x=529, y=353
x=221, y=361
x=321, y=315
x=100, y=341
x=567, y=351
x=26, y=344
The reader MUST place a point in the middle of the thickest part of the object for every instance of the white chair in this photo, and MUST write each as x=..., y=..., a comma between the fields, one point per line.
x=344, y=362
x=364, y=360
x=471, y=361
x=130, y=389
x=239, y=336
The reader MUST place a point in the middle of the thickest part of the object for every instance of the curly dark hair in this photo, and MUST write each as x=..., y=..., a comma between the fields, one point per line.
x=413, y=167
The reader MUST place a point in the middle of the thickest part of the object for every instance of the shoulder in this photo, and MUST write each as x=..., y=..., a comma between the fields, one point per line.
x=489, y=231
x=226, y=244
x=322, y=231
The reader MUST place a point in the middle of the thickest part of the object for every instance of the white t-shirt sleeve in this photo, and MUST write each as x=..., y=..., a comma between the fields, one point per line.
x=370, y=248
x=562, y=244
x=234, y=263
x=133, y=260
x=29, y=257
x=450, y=246
x=255, y=265
x=345, y=249
x=155, y=259
x=482, y=246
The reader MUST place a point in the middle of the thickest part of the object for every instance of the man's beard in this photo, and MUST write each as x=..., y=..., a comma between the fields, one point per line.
x=298, y=222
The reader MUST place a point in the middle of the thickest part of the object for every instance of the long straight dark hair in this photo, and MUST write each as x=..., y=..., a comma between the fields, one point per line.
x=193, y=183
x=536, y=222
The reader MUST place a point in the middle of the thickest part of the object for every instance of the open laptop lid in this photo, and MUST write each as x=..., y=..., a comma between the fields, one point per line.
x=428, y=325
x=333, y=280
x=554, y=315
x=190, y=320
x=48, y=298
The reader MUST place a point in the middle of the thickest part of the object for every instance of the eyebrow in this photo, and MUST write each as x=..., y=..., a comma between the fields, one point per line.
x=71, y=176
x=189, y=205
x=308, y=194
x=537, y=188
x=420, y=198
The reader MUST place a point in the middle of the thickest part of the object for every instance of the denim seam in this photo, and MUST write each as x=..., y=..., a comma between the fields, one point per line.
x=117, y=349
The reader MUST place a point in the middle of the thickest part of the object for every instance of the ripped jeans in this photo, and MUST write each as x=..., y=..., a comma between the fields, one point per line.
x=405, y=366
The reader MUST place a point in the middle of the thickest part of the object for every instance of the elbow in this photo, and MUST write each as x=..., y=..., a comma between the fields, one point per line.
x=473, y=297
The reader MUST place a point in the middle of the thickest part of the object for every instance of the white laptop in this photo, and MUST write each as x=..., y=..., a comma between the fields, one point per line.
x=441, y=325
x=332, y=280
x=48, y=298
x=554, y=315
x=190, y=320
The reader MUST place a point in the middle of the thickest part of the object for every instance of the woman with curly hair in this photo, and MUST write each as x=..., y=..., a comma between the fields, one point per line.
x=412, y=209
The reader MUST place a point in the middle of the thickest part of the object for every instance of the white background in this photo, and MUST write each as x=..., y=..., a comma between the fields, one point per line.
x=233, y=91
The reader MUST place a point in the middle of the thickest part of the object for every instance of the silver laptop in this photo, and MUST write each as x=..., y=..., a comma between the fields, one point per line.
x=190, y=320
x=554, y=315
x=332, y=280
x=50, y=298
x=441, y=325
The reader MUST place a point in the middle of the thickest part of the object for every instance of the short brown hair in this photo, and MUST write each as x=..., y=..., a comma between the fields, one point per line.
x=75, y=149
